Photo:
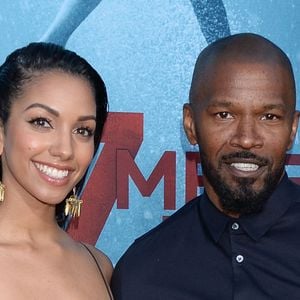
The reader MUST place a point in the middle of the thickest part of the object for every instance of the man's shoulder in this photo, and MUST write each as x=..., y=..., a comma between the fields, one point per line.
x=293, y=190
x=168, y=231
x=182, y=217
x=151, y=258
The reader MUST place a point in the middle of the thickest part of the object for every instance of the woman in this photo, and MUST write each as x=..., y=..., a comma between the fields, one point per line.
x=53, y=106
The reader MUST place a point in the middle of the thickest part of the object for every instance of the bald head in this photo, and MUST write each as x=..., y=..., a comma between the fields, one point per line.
x=242, y=115
x=244, y=48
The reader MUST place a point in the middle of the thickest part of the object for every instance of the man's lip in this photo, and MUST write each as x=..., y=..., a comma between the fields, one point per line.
x=246, y=171
x=244, y=161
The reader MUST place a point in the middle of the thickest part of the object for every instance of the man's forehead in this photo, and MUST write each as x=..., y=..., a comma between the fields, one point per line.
x=250, y=48
x=238, y=55
x=233, y=79
x=229, y=62
x=224, y=69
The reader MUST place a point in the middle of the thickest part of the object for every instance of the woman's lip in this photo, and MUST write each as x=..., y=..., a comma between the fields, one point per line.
x=54, y=175
x=53, y=181
x=58, y=182
x=55, y=166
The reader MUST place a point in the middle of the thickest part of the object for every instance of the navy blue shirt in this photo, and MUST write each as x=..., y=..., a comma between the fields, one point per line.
x=200, y=253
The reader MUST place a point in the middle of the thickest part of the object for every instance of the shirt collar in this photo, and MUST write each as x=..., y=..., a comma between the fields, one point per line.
x=255, y=225
x=214, y=219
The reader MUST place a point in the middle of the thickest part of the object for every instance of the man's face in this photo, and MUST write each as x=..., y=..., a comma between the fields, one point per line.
x=243, y=119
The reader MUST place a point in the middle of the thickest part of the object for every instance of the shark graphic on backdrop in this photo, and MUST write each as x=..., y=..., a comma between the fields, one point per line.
x=211, y=16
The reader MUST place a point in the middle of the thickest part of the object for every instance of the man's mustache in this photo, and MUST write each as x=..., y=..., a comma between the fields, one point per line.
x=247, y=155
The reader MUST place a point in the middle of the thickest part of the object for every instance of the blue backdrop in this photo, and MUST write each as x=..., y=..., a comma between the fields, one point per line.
x=145, y=51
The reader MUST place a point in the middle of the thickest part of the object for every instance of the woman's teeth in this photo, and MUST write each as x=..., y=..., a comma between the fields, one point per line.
x=52, y=172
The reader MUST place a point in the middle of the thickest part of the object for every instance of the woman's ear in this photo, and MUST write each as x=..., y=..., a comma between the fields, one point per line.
x=1, y=138
x=189, y=124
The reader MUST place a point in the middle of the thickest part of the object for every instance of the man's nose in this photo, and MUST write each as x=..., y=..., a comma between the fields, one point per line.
x=247, y=134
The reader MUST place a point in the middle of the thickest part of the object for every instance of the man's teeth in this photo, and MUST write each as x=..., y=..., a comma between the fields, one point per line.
x=245, y=166
x=52, y=172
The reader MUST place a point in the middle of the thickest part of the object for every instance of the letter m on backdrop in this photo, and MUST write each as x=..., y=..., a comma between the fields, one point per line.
x=109, y=181
x=126, y=167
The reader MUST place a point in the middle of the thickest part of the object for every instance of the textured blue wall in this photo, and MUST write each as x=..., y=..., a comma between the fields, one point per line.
x=145, y=52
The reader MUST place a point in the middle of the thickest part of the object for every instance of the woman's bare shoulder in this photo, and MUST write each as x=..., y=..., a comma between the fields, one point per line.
x=103, y=261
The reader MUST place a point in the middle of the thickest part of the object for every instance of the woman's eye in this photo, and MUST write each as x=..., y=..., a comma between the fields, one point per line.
x=224, y=115
x=41, y=122
x=84, y=131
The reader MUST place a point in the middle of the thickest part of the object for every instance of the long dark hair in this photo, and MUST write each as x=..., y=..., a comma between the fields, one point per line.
x=24, y=64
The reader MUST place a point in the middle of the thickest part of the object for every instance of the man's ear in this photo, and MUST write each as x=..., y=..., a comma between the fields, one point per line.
x=294, y=129
x=188, y=124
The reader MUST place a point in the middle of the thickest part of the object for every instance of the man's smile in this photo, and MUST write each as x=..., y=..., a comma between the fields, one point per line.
x=244, y=164
x=245, y=167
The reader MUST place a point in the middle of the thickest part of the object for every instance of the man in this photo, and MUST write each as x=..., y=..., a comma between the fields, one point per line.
x=241, y=238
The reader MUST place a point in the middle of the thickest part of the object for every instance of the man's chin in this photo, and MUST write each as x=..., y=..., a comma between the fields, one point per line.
x=254, y=184
x=246, y=195
x=239, y=191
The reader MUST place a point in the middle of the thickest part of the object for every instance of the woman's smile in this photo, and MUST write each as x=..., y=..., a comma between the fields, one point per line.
x=52, y=173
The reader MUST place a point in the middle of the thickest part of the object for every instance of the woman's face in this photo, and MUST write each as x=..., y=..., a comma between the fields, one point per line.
x=47, y=143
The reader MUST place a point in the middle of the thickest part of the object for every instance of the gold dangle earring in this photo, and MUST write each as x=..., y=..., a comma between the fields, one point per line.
x=2, y=191
x=73, y=205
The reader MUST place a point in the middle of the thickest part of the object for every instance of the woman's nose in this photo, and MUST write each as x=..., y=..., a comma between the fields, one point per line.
x=62, y=146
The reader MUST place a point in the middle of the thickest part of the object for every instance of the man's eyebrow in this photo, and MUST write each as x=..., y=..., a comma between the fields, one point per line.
x=222, y=103
x=229, y=103
x=275, y=106
x=45, y=107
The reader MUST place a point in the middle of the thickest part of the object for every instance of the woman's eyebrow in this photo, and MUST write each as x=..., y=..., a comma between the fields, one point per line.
x=56, y=113
x=86, y=118
x=47, y=108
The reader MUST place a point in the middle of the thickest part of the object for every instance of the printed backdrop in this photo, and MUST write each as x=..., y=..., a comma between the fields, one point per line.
x=145, y=51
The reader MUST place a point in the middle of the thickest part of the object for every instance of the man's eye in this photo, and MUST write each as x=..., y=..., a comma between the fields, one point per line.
x=269, y=117
x=41, y=122
x=224, y=115
x=84, y=131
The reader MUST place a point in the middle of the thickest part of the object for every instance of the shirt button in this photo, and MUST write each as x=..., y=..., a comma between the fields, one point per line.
x=235, y=226
x=239, y=258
